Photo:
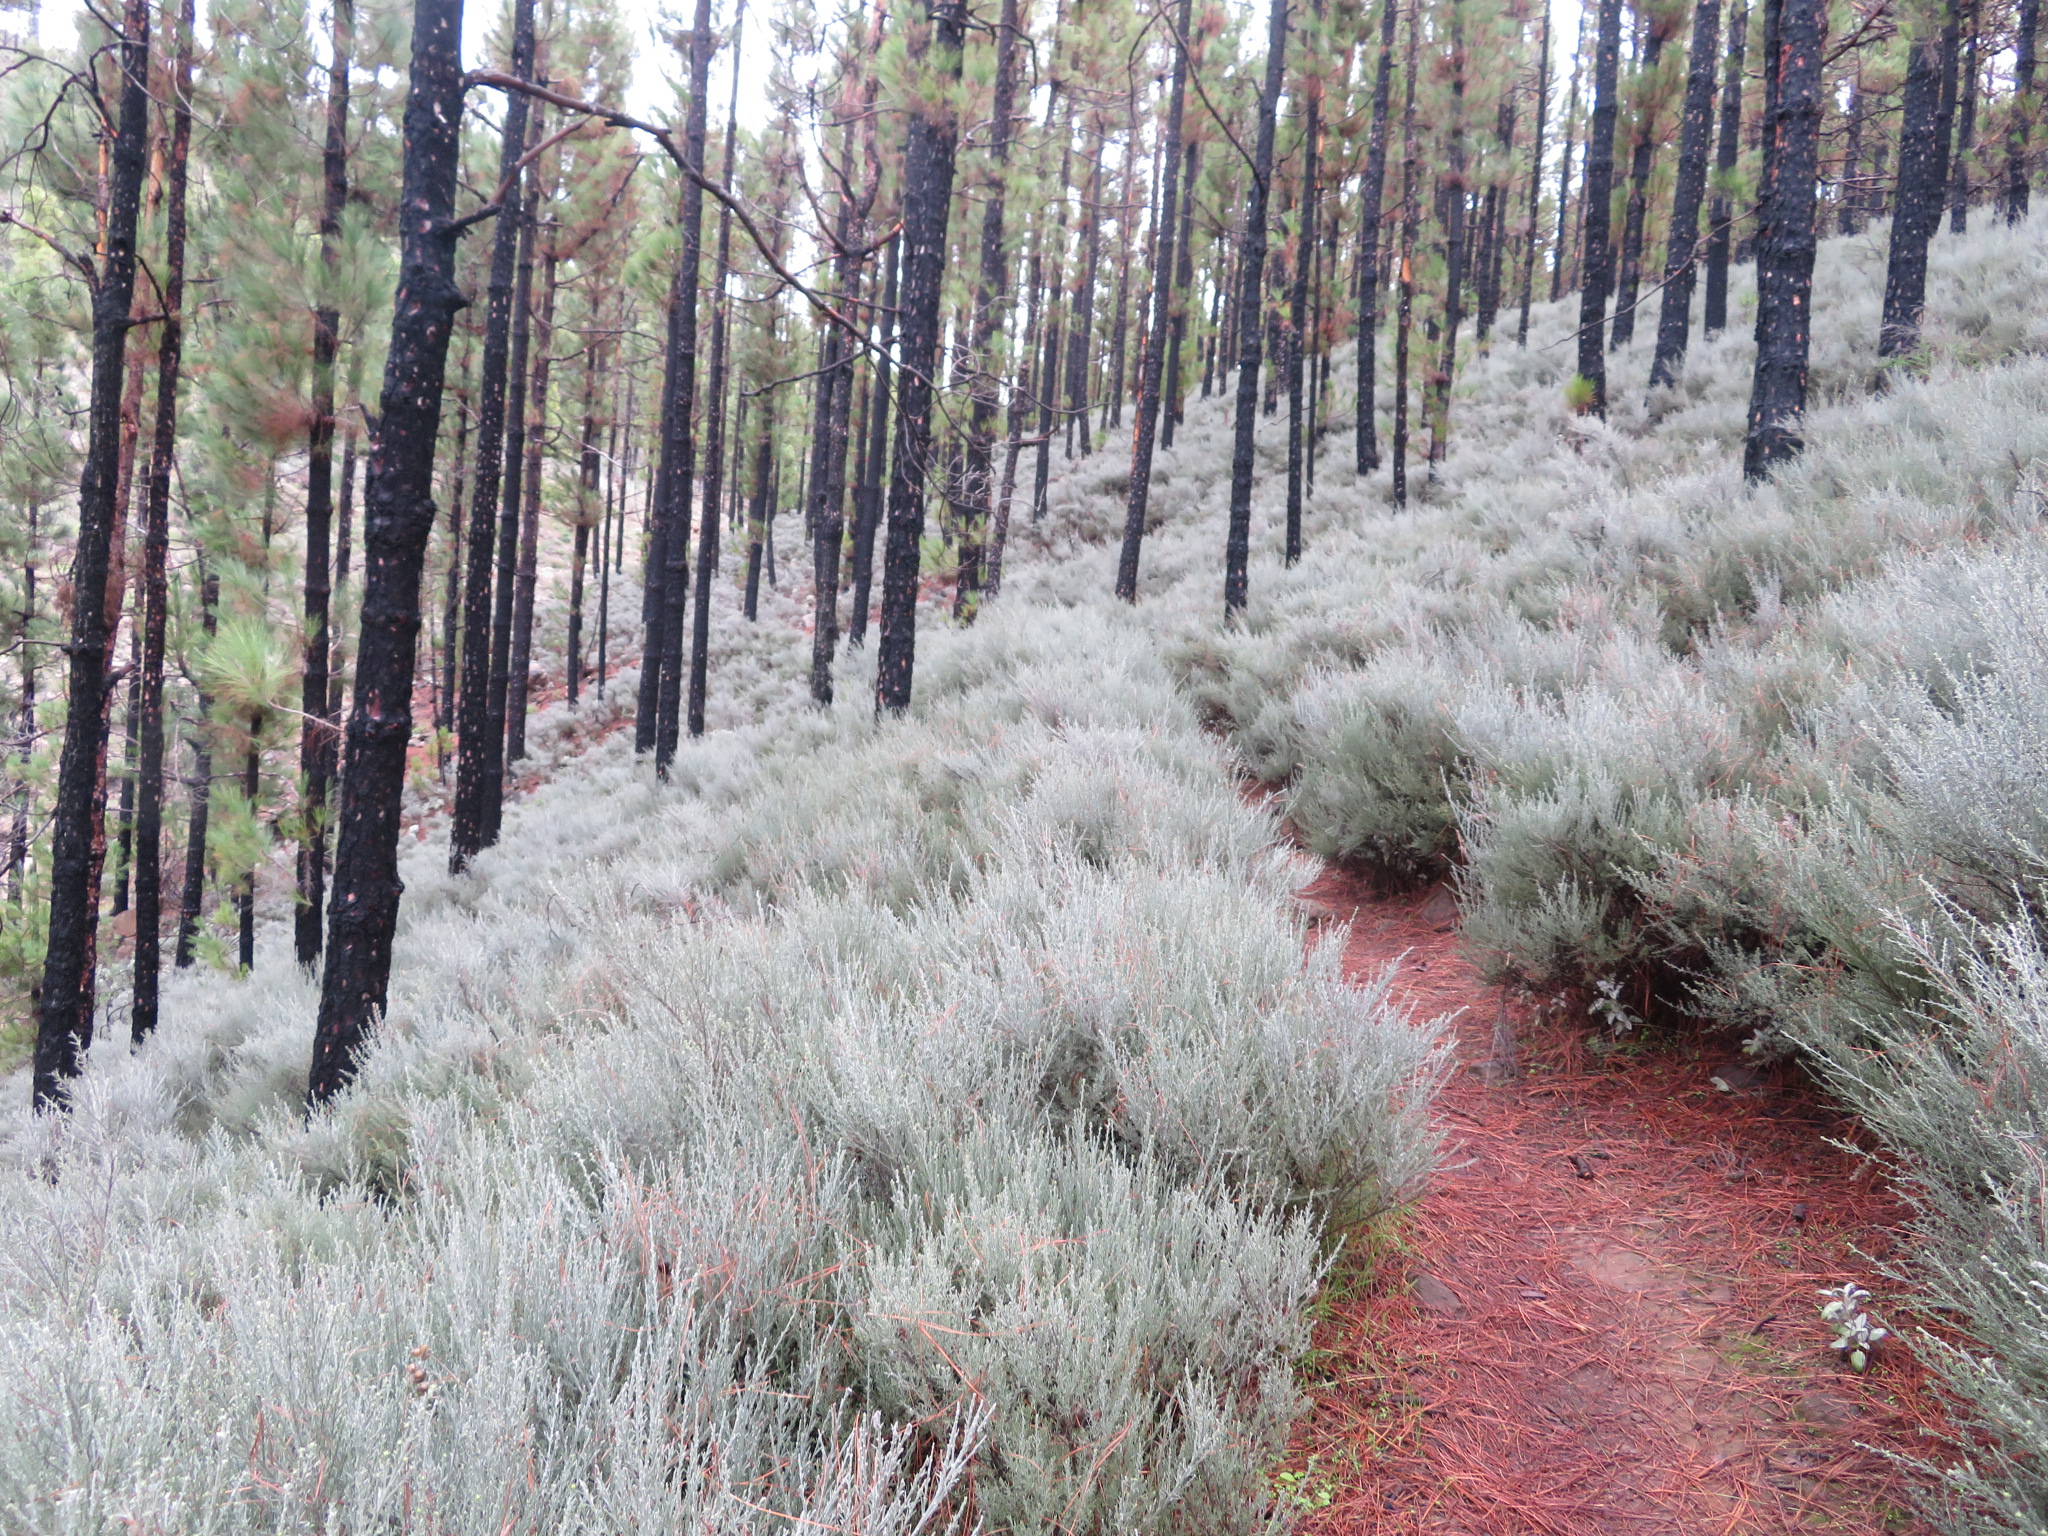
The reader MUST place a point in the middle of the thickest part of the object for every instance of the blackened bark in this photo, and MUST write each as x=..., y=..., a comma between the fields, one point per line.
x=1966, y=124
x=757, y=509
x=1404, y=303
x=398, y=516
x=1370, y=278
x=156, y=540
x=505, y=589
x=826, y=508
x=1152, y=368
x=1917, y=204
x=1297, y=318
x=1251, y=299
x=1535, y=181
x=1561, y=256
x=519, y=662
x=64, y=1020
x=318, y=734
x=679, y=500
x=1720, y=215
x=1454, y=252
x=2018, y=176
x=1172, y=409
x=1784, y=320
x=991, y=294
x=714, y=418
x=1081, y=337
x=1681, y=269
x=589, y=466
x=927, y=200
x=476, y=763
x=1850, y=206
x=1636, y=214
x=1598, y=262
x=867, y=501
x=661, y=473
x=451, y=596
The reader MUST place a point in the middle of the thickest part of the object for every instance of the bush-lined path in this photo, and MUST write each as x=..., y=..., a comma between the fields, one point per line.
x=1602, y=1316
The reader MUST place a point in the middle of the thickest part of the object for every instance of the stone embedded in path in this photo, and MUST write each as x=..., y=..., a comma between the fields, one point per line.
x=1825, y=1410
x=1433, y=1296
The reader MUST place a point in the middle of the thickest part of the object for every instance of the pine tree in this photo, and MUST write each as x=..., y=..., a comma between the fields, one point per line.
x=1598, y=258
x=1681, y=267
x=398, y=517
x=64, y=1023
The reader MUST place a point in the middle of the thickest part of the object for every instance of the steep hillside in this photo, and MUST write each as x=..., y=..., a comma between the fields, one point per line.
x=880, y=1122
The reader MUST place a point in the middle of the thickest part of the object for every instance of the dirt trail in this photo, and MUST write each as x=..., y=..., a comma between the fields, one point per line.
x=1602, y=1317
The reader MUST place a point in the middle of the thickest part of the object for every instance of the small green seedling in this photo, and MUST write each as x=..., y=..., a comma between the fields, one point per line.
x=1856, y=1336
x=1609, y=1006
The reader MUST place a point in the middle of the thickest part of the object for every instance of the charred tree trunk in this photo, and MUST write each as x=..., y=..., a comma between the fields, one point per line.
x=1720, y=214
x=1535, y=181
x=867, y=501
x=519, y=662
x=1454, y=252
x=1152, y=369
x=476, y=762
x=1598, y=260
x=1251, y=300
x=1917, y=204
x=927, y=201
x=451, y=597
x=1784, y=320
x=714, y=418
x=1172, y=408
x=1636, y=214
x=318, y=736
x=1681, y=268
x=1966, y=125
x=990, y=295
x=1297, y=318
x=2018, y=174
x=64, y=1021
x=156, y=540
x=678, y=502
x=505, y=596
x=398, y=517
x=1370, y=278
x=1405, y=303
x=1081, y=338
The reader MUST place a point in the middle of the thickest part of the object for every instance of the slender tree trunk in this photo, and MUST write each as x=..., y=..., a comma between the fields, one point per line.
x=245, y=899
x=1411, y=214
x=1847, y=222
x=17, y=839
x=678, y=503
x=927, y=200
x=1917, y=204
x=398, y=517
x=1681, y=268
x=1598, y=259
x=867, y=502
x=1966, y=125
x=757, y=512
x=192, y=897
x=991, y=294
x=1636, y=214
x=64, y=1022
x=318, y=737
x=661, y=473
x=1297, y=314
x=1535, y=181
x=827, y=503
x=1720, y=215
x=588, y=465
x=1564, y=173
x=156, y=539
x=1153, y=366
x=1371, y=279
x=1252, y=290
x=451, y=595
x=1454, y=252
x=2018, y=174
x=1048, y=380
x=1081, y=338
x=1784, y=321
x=519, y=660
x=476, y=763
x=714, y=418
x=511, y=503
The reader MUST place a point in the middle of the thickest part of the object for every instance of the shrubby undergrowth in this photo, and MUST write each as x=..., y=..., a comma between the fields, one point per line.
x=1766, y=759
x=883, y=1127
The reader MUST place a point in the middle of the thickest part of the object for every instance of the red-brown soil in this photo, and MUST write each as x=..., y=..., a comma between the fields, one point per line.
x=1602, y=1315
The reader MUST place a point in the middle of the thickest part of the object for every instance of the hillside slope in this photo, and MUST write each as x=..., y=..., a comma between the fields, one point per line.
x=881, y=1121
